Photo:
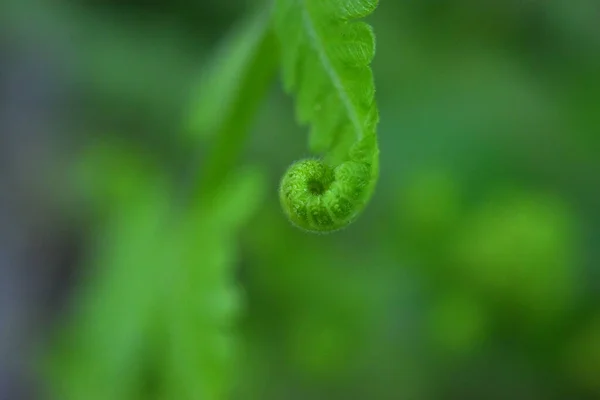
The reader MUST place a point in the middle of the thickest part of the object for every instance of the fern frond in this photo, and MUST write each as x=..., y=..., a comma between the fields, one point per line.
x=326, y=56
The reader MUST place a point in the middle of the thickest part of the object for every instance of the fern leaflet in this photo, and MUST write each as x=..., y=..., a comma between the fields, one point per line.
x=326, y=55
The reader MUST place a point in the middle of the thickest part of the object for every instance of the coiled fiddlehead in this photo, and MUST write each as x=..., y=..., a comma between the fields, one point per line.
x=326, y=58
x=321, y=198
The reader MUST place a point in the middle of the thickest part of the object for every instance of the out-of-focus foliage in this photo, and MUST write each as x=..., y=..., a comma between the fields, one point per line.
x=154, y=320
x=155, y=315
x=474, y=273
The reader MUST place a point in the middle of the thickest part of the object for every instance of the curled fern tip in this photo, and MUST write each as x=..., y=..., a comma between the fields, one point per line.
x=322, y=199
x=326, y=52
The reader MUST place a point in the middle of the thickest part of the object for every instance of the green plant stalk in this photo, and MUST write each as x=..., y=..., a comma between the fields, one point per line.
x=256, y=72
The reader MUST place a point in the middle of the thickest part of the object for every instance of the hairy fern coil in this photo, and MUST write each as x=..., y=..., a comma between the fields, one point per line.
x=321, y=198
x=326, y=54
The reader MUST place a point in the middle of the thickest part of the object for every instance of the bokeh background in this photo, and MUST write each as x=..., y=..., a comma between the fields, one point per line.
x=474, y=273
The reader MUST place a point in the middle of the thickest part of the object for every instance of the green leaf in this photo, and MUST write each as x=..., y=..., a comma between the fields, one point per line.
x=159, y=307
x=160, y=296
x=326, y=58
x=203, y=300
x=101, y=350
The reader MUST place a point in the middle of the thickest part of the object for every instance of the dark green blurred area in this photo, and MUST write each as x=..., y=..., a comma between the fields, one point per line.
x=473, y=274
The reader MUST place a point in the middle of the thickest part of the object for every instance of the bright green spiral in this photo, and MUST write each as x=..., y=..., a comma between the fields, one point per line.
x=321, y=198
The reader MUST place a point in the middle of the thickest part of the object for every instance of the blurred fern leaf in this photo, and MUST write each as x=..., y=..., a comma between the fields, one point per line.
x=153, y=319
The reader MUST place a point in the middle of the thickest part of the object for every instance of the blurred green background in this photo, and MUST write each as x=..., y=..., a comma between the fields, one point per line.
x=474, y=273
